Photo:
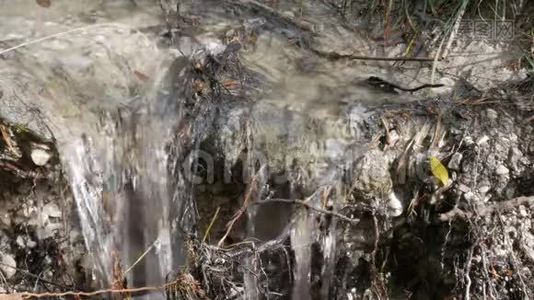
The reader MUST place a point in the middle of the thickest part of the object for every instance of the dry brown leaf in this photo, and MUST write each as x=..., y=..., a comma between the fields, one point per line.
x=141, y=76
x=7, y=138
x=44, y=3
x=231, y=84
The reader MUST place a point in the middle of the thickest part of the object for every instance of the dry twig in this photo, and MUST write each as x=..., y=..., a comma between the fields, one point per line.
x=308, y=206
x=141, y=257
x=338, y=56
x=184, y=283
x=246, y=202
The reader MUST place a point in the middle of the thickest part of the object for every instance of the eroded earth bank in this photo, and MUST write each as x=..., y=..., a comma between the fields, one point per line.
x=246, y=149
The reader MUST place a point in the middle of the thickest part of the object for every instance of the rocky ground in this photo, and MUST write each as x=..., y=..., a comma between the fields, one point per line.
x=41, y=245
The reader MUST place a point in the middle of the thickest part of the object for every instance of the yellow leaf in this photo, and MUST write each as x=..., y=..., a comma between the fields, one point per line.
x=439, y=170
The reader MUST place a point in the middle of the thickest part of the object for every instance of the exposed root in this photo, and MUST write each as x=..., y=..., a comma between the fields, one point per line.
x=246, y=202
x=311, y=207
x=184, y=287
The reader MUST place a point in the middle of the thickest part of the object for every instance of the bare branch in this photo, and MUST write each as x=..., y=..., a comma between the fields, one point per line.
x=308, y=206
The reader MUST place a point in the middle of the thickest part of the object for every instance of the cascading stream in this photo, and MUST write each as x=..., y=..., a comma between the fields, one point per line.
x=112, y=108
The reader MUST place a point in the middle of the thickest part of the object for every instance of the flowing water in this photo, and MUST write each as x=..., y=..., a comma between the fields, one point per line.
x=102, y=92
x=108, y=91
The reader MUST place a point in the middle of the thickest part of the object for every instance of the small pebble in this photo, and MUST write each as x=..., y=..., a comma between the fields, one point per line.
x=468, y=140
x=20, y=241
x=492, y=114
x=502, y=170
x=469, y=196
x=484, y=189
x=40, y=157
x=31, y=244
x=454, y=163
x=51, y=210
x=522, y=211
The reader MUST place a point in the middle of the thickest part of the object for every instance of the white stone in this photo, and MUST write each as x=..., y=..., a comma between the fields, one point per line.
x=468, y=140
x=31, y=244
x=51, y=210
x=484, y=189
x=522, y=211
x=395, y=207
x=502, y=170
x=483, y=140
x=8, y=266
x=6, y=219
x=20, y=241
x=469, y=196
x=40, y=157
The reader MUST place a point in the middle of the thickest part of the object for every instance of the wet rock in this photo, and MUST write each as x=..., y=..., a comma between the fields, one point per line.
x=372, y=175
x=8, y=266
x=16, y=112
